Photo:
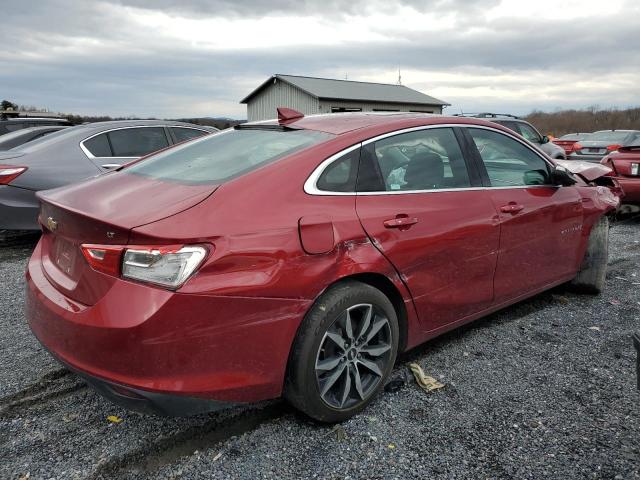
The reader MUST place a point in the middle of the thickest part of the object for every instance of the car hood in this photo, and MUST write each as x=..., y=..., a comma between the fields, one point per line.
x=587, y=170
x=126, y=200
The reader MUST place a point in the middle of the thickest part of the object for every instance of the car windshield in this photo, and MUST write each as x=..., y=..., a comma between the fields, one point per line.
x=608, y=136
x=216, y=158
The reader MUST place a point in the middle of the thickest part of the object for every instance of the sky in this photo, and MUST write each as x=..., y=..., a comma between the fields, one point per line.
x=192, y=58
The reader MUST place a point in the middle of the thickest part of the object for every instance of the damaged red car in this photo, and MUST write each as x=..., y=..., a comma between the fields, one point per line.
x=625, y=164
x=298, y=257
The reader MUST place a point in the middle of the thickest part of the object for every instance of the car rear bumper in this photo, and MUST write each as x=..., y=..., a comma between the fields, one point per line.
x=18, y=209
x=153, y=342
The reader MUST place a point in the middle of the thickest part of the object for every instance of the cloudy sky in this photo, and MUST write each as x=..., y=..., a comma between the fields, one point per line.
x=175, y=58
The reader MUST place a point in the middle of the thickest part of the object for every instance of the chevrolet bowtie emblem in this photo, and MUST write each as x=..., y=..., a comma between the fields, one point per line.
x=52, y=224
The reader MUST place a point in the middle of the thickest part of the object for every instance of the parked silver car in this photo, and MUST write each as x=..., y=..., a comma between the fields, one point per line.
x=525, y=129
x=600, y=143
x=74, y=154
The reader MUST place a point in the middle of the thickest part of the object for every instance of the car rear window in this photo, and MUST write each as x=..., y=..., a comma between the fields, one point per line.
x=214, y=159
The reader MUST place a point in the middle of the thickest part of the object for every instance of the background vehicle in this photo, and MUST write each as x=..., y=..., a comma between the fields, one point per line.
x=18, y=123
x=567, y=141
x=625, y=163
x=74, y=154
x=525, y=129
x=602, y=142
x=19, y=137
x=298, y=257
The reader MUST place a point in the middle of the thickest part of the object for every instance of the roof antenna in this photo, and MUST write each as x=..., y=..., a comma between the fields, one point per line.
x=399, y=77
x=346, y=76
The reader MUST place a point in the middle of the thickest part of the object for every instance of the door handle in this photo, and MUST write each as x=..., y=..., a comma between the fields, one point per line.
x=110, y=165
x=400, y=222
x=512, y=207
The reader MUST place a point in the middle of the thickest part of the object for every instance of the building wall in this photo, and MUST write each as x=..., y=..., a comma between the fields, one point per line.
x=281, y=94
x=263, y=105
x=327, y=105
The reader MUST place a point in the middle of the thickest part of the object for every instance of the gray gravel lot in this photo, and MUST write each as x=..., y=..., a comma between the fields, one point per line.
x=545, y=388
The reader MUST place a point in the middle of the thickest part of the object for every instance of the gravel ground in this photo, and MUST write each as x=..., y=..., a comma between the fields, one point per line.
x=545, y=388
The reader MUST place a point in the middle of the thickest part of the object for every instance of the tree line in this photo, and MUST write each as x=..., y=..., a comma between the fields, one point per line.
x=585, y=121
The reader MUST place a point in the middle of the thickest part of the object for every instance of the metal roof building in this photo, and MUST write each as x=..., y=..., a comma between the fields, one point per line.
x=311, y=95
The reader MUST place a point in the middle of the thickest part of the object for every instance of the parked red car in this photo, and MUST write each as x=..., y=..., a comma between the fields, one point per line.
x=569, y=140
x=625, y=164
x=298, y=257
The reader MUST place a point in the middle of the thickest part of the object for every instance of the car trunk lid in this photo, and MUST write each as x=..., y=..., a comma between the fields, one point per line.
x=102, y=211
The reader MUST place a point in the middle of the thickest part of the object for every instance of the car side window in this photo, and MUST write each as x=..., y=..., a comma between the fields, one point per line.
x=135, y=142
x=340, y=175
x=98, y=146
x=529, y=133
x=183, y=134
x=507, y=161
x=429, y=159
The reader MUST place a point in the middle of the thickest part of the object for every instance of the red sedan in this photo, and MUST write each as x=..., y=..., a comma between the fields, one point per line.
x=625, y=164
x=297, y=257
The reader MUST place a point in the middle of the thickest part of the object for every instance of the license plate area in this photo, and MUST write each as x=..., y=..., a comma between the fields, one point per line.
x=65, y=254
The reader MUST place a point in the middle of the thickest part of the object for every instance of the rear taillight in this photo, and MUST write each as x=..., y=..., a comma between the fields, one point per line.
x=166, y=266
x=635, y=169
x=576, y=146
x=8, y=173
x=103, y=258
x=613, y=148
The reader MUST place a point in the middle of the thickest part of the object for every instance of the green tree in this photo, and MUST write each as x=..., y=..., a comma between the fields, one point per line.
x=6, y=104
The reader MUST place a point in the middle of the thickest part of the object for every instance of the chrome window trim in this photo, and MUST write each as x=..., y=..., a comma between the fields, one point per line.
x=311, y=188
x=92, y=157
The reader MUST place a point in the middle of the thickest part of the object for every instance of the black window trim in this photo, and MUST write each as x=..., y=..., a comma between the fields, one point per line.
x=467, y=150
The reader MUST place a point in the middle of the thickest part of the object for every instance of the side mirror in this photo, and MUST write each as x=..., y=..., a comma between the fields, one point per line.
x=545, y=139
x=562, y=176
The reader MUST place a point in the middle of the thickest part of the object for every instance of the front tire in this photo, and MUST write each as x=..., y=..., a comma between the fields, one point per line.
x=593, y=271
x=343, y=353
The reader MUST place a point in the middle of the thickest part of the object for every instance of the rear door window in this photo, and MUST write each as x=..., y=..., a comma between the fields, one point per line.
x=137, y=141
x=183, y=134
x=429, y=159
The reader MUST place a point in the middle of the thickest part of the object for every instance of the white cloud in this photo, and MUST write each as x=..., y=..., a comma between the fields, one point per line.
x=172, y=58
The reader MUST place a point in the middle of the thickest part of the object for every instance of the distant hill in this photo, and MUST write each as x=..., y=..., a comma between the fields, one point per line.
x=218, y=122
x=589, y=120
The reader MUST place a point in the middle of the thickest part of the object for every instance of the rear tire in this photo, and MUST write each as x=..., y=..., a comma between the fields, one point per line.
x=343, y=353
x=593, y=271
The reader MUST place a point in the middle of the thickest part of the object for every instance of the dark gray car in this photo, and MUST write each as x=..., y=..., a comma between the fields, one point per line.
x=525, y=129
x=74, y=154
x=20, y=137
x=603, y=142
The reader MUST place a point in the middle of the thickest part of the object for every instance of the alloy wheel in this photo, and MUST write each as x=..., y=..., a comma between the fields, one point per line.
x=353, y=356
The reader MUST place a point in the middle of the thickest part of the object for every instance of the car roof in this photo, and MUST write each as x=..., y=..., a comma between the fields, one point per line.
x=81, y=132
x=341, y=123
x=37, y=119
x=139, y=123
